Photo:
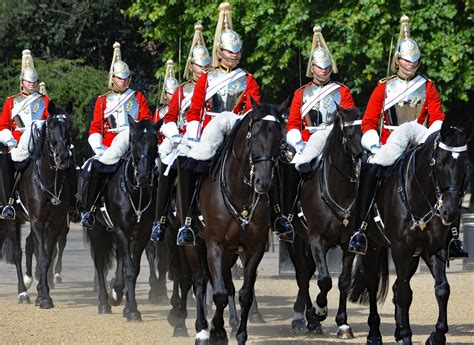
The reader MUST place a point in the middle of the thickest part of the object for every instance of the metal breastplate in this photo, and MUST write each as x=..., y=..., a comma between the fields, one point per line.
x=162, y=111
x=119, y=117
x=323, y=110
x=409, y=107
x=188, y=90
x=229, y=95
x=31, y=112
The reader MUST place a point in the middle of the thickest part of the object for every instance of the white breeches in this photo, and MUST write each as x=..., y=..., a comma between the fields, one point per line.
x=117, y=148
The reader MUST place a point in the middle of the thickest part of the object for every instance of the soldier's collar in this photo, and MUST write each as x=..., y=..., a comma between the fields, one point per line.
x=118, y=91
x=406, y=79
x=321, y=84
x=225, y=68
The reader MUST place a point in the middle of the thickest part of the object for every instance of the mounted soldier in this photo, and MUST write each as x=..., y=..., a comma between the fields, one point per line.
x=22, y=114
x=311, y=110
x=173, y=129
x=169, y=88
x=221, y=96
x=109, y=130
x=399, y=104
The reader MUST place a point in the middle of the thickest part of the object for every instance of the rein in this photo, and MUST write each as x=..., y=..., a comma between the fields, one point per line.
x=434, y=209
x=338, y=210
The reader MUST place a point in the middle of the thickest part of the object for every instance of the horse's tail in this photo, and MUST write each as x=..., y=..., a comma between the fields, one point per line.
x=7, y=250
x=362, y=275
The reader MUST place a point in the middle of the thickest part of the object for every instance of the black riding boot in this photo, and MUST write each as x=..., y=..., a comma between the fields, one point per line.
x=165, y=187
x=455, y=247
x=187, y=189
x=365, y=199
x=93, y=187
x=8, y=212
x=282, y=223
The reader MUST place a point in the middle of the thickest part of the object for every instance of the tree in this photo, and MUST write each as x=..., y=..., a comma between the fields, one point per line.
x=358, y=34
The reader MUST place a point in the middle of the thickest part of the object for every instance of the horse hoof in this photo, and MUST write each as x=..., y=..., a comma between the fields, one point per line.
x=156, y=298
x=298, y=326
x=374, y=340
x=46, y=303
x=202, y=338
x=114, y=298
x=105, y=309
x=436, y=338
x=57, y=278
x=315, y=328
x=320, y=313
x=135, y=316
x=219, y=338
x=173, y=317
x=24, y=298
x=28, y=281
x=256, y=317
x=180, y=332
x=345, y=332
x=125, y=312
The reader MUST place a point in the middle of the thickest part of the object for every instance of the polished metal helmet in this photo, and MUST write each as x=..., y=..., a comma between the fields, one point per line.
x=225, y=37
x=230, y=40
x=406, y=48
x=171, y=83
x=320, y=55
x=200, y=56
x=118, y=68
x=28, y=71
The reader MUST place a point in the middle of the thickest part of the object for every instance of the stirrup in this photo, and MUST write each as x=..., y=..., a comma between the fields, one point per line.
x=456, y=250
x=88, y=219
x=358, y=243
x=186, y=241
x=8, y=212
x=157, y=233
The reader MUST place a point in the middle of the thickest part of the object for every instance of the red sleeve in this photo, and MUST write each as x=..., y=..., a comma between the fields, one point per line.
x=347, y=102
x=294, y=119
x=45, y=112
x=97, y=123
x=144, y=112
x=5, y=118
x=433, y=103
x=197, y=101
x=173, y=108
x=252, y=90
x=371, y=117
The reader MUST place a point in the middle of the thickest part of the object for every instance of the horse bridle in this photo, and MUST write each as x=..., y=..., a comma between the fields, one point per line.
x=434, y=210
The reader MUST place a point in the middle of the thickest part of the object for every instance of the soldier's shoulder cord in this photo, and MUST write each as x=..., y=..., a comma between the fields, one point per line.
x=384, y=80
x=105, y=94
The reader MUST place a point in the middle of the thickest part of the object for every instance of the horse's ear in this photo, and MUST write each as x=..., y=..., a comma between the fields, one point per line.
x=69, y=107
x=131, y=122
x=51, y=108
x=283, y=108
x=159, y=124
x=254, y=103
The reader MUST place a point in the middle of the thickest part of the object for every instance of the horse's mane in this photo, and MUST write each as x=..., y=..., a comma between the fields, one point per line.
x=38, y=136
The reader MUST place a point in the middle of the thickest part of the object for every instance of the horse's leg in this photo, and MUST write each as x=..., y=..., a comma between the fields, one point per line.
x=403, y=294
x=131, y=270
x=246, y=293
x=29, y=250
x=200, y=279
x=233, y=316
x=344, y=330
x=59, y=261
x=44, y=249
x=163, y=263
x=54, y=254
x=436, y=264
x=215, y=259
x=319, y=309
x=174, y=301
x=185, y=284
x=14, y=233
x=150, y=251
x=117, y=283
x=412, y=267
x=101, y=250
x=300, y=255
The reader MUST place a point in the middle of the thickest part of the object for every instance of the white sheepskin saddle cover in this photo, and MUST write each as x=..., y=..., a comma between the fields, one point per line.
x=213, y=136
x=117, y=149
x=409, y=133
x=314, y=147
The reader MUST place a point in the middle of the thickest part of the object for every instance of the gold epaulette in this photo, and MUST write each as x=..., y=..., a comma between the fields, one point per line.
x=105, y=94
x=339, y=83
x=17, y=94
x=424, y=76
x=384, y=80
x=302, y=87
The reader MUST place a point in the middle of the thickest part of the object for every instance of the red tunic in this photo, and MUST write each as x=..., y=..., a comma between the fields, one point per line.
x=371, y=119
x=294, y=119
x=198, y=104
x=6, y=122
x=173, y=109
x=98, y=125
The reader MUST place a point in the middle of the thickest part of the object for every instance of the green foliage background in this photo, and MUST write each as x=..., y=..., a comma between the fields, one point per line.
x=72, y=43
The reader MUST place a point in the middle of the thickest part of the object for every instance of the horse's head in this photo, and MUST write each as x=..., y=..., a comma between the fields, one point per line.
x=143, y=149
x=58, y=135
x=349, y=121
x=448, y=164
x=263, y=142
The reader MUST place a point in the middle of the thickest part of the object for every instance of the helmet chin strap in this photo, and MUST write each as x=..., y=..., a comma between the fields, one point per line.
x=407, y=73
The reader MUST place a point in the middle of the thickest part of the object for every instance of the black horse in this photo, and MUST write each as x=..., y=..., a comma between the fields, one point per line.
x=327, y=197
x=45, y=192
x=236, y=210
x=418, y=200
x=125, y=226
